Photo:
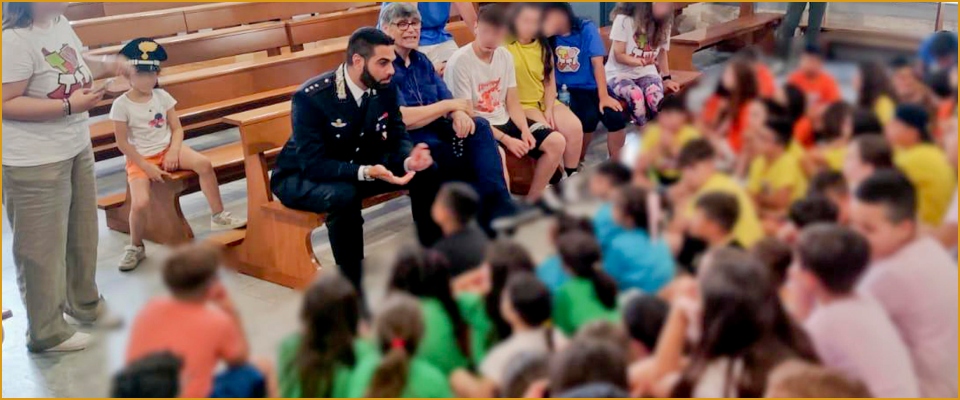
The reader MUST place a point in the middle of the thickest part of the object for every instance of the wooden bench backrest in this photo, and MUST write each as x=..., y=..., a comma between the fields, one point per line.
x=264, y=130
x=84, y=10
x=109, y=30
x=727, y=30
x=125, y=8
x=203, y=46
x=330, y=25
x=211, y=85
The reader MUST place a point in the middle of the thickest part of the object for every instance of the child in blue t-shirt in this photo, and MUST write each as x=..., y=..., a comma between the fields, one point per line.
x=633, y=258
x=579, y=52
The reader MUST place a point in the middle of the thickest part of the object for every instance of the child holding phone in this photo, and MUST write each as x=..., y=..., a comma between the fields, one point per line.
x=149, y=134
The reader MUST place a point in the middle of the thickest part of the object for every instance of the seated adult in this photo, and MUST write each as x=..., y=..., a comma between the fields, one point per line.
x=349, y=142
x=463, y=146
x=435, y=42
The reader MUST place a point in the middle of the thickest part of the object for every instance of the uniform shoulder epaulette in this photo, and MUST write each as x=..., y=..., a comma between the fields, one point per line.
x=318, y=84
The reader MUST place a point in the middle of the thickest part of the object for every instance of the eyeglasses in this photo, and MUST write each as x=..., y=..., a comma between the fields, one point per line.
x=404, y=25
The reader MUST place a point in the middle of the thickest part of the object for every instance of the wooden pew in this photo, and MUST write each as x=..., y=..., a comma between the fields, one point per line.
x=331, y=25
x=276, y=244
x=756, y=28
x=207, y=96
x=80, y=10
x=84, y=10
x=110, y=30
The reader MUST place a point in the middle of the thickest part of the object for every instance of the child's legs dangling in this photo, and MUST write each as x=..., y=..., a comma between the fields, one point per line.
x=139, y=205
x=196, y=162
x=633, y=94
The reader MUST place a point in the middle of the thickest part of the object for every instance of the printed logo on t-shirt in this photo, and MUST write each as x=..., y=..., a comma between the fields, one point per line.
x=643, y=49
x=568, y=59
x=73, y=75
x=157, y=122
x=489, y=96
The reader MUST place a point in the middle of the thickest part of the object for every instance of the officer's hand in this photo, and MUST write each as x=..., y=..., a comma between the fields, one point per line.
x=463, y=125
x=382, y=173
x=420, y=158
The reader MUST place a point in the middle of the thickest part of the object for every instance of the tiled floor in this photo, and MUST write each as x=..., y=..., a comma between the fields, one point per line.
x=268, y=310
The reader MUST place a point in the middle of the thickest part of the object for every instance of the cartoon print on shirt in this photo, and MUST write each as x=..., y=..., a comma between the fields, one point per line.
x=568, y=59
x=157, y=122
x=643, y=49
x=489, y=96
x=73, y=74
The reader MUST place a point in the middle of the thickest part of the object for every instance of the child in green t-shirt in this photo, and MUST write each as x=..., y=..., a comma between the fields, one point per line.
x=398, y=330
x=425, y=274
x=318, y=361
x=591, y=293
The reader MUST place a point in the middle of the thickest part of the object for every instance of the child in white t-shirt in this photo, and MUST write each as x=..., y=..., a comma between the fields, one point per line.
x=637, y=68
x=150, y=135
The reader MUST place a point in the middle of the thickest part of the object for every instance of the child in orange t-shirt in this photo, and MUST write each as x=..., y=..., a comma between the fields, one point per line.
x=199, y=324
x=810, y=77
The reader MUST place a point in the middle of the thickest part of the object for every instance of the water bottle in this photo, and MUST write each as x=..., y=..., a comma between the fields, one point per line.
x=564, y=95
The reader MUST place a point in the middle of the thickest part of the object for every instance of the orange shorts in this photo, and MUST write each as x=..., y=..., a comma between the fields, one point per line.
x=134, y=171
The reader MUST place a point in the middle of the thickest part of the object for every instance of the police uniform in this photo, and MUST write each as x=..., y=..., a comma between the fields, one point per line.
x=319, y=169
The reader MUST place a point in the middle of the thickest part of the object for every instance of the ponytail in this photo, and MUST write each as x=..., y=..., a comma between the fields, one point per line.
x=390, y=378
x=581, y=254
x=398, y=329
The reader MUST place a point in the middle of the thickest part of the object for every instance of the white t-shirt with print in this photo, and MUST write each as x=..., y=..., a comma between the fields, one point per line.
x=485, y=84
x=638, y=44
x=49, y=59
x=148, y=128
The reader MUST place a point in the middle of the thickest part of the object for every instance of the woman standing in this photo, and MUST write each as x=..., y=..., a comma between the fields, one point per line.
x=49, y=187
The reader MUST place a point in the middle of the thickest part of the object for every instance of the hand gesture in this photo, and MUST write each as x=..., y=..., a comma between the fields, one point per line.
x=515, y=146
x=420, y=158
x=382, y=173
x=611, y=103
x=670, y=86
x=463, y=125
x=528, y=139
x=462, y=105
x=84, y=99
x=156, y=174
x=550, y=113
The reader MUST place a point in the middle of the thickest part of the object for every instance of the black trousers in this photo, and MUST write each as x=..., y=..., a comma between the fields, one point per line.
x=342, y=201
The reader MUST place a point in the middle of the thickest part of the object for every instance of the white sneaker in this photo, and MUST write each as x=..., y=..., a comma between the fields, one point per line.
x=105, y=318
x=226, y=221
x=77, y=342
x=132, y=255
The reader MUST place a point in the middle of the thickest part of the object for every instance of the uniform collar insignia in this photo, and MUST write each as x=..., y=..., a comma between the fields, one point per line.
x=341, y=83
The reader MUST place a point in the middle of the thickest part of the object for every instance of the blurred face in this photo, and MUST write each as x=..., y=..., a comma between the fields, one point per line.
x=378, y=70
x=700, y=225
x=662, y=10
x=801, y=278
x=143, y=82
x=489, y=37
x=600, y=187
x=897, y=132
x=555, y=22
x=854, y=169
x=842, y=201
x=765, y=141
x=619, y=216
x=440, y=213
x=885, y=237
x=43, y=11
x=756, y=115
x=506, y=309
x=904, y=82
x=696, y=175
x=527, y=23
x=405, y=32
x=810, y=64
x=672, y=120
x=729, y=79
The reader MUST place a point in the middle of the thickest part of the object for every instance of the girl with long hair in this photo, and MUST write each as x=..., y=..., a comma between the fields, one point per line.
x=398, y=330
x=591, y=293
x=875, y=92
x=578, y=50
x=425, y=274
x=637, y=67
x=536, y=81
x=318, y=360
x=49, y=187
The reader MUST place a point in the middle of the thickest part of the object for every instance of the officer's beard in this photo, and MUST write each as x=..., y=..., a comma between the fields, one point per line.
x=369, y=81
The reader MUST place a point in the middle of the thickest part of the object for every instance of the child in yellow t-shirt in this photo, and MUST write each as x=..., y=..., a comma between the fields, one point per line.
x=831, y=148
x=776, y=178
x=922, y=162
x=662, y=142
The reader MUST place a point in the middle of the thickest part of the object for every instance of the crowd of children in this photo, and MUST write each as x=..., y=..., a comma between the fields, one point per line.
x=784, y=242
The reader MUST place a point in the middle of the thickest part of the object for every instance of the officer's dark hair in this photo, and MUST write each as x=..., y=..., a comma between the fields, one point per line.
x=614, y=171
x=462, y=201
x=695, y=152
x=363, y=40
x=892, y=190
x=492, y=14
x=837, y=256
x=721, y=208
x=813, y=209
x=156, y=375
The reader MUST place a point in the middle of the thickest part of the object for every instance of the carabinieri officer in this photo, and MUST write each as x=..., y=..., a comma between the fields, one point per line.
x=349, y=143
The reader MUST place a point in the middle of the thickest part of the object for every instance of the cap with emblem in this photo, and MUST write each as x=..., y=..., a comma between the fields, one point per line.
x=145, y=54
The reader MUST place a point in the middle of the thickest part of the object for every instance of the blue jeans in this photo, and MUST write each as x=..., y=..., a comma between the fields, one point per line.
x=474, y=159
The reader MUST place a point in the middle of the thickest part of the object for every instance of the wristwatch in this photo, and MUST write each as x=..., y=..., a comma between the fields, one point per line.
x=668, y=77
